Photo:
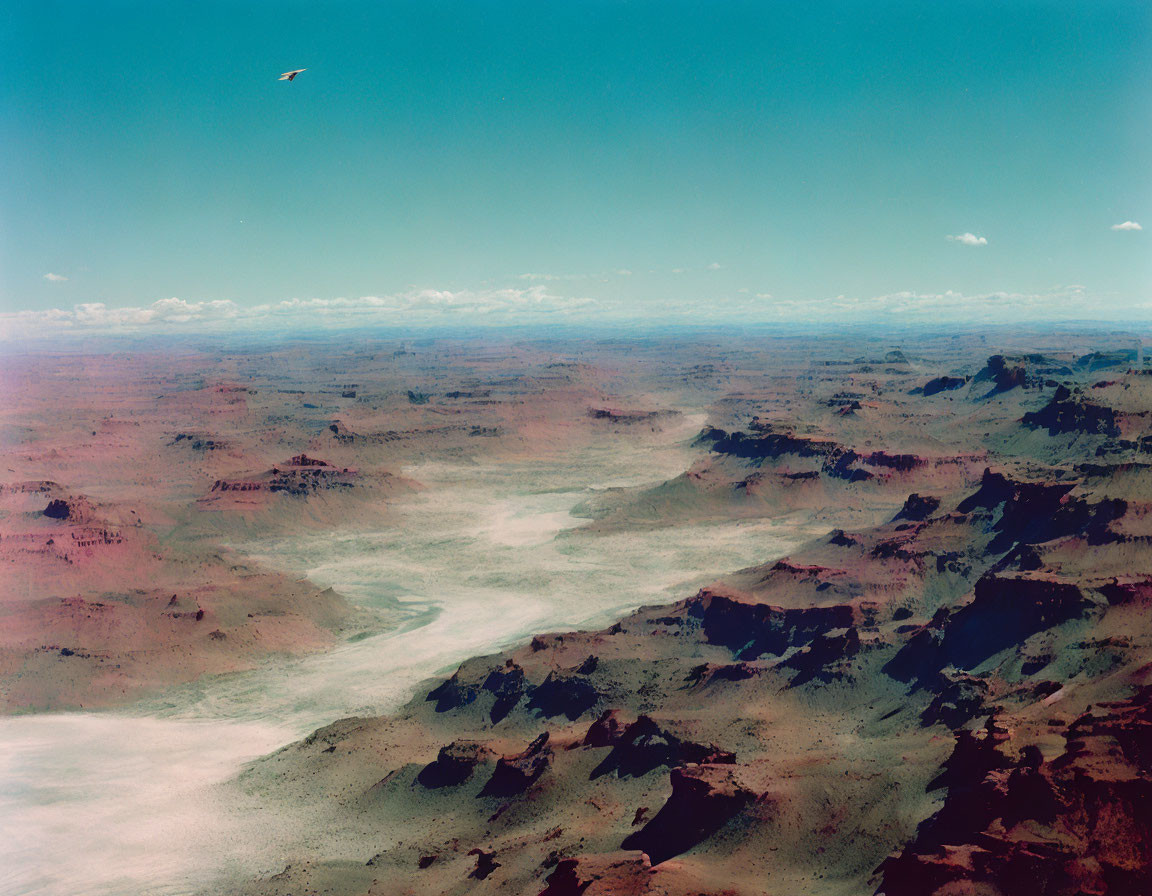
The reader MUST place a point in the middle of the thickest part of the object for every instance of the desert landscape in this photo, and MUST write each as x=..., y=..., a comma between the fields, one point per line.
x=582, y=448
x=710, y=612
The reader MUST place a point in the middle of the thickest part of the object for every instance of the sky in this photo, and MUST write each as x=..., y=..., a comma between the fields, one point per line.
x=521, y=161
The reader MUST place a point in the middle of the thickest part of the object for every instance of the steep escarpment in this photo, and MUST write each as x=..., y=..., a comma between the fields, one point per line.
x=767, y=470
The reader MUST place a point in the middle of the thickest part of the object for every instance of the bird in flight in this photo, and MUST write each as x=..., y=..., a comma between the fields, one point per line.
x=288, y=76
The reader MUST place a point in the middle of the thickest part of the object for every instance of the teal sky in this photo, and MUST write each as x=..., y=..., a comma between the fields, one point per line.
x=738, y=159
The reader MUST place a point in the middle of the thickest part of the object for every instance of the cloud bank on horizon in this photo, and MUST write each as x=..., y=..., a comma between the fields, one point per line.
x=536, y=305
x=421, y=306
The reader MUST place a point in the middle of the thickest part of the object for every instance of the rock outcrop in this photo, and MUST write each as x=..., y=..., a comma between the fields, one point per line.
x=1068, y=412
x=751, y=630
x=570, y=694
x=516, y=773
x=944, y=384
x=1020, y=827
x=644, y=746
x=703, y=800
x=454, y=764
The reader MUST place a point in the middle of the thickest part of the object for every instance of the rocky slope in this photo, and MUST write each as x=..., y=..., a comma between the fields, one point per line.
x=951, y=700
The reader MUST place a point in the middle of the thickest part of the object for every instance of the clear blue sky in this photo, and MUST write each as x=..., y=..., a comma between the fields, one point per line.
x=722, y=152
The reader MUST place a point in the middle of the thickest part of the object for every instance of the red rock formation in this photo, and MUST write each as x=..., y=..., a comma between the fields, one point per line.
x=605, y=731
x=1039, y=511
x=57, y=509
x=507, y=685
x=943, y=384
x=454, y=764
x=824, y=656
x=703, y=800
x=303, y=460
x=485, y=863
x=569, y=694
x=1006, y=610
x=750, y=630
x=1006, y=376
x=565, y=880
x=643, y=746
x=1068, y=412
x=515, y=774
x=1077, y=825
x=918, y=508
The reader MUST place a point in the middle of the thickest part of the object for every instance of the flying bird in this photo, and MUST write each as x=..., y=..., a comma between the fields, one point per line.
x=289, y=76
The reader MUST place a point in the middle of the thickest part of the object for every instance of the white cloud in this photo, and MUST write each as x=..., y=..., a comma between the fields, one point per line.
x=425, y=303
x=679, y=270
x=417, y=306
x=951, y=306
x=98, y=315
x=552, y=278
x=969, y=239
x=624, y=272
x=537, y=304
x=715, y=266
x=1127, y=225
x=55, y=278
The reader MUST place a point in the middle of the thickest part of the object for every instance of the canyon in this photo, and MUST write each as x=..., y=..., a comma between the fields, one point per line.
x=708, y=612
